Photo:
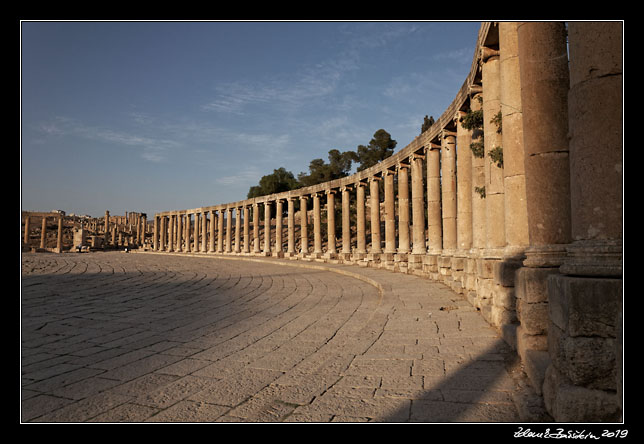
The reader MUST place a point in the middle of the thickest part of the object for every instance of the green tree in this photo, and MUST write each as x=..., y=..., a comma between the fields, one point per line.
x=281, y=180
x=380, y=147
x=319, y=171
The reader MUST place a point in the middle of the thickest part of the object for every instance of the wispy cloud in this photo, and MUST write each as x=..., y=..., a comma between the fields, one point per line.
x=152, y=149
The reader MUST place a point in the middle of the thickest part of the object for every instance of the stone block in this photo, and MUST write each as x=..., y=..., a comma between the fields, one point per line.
x=569, y=403
x=526, y=341
x=532, y=283
x=533, y=317
x=504, y=272
x=585, y=361
x=535, y=364
x=584, y=306
x=504, y=297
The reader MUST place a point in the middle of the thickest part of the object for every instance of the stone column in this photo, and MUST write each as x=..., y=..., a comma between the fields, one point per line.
x=180, y=229
x=544, y=98
x=434, y=224
x=417, y=204
x=403, y=208
x=164, y=233
x=246, y=229
x=43, y=232
x=330, y=220
x=361, y=222
x=220, y=228
x=390, y=216
x=59, y=239
x=317, y=225
x=229, y=229
x=374, y=197
x=478, y=178
x=196, y=232
x=516, y=210
x=204, y=232
x=237, y=230
x=26, y=237
x=346, y=220
x=279, y=210
x=171, y=234
x=304, y=226
x=291, y=226
x=107, y=227
x=584, y=381
x=188, y=223
x=267, y=228
x=256, y=248
x=464, y=187
x=211, y=235
x=543, y=64
x=494, y=183
x=448, y=189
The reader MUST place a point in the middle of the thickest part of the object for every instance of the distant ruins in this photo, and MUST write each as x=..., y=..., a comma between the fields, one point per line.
x=57, y=232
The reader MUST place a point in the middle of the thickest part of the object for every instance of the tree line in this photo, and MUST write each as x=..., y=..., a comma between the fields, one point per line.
x=339, y=164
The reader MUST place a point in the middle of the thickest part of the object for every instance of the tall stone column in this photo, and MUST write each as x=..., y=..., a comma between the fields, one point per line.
x=279, y=210
x=26, y=236
x=220, y=229
x=204, y=231
x=267, y=228
x=196, y=232
x=107, y=227
x=374, y=197
x=417, y=205
x=186, y=233
x=59, y=238
x=256, y=248
x=584, y=380
x=43, y=232
x=304, y=226
x=291, y=226
x=155, y=239
x=361, y=222
x=237, y=230
x=494, y=183
x=403, y=208
x=229, y=229
x=171, y=233
x=246, y=229
x=212, y=231
x=317, y=225
x=464, y=187
x=330, y=218
x=434, y=223
x=346, y=220
x=390, y=216
x=478, y=178
x=180, y=230
x=448, y=189
x=516, y=210
x=544, y=75
x=164, y=233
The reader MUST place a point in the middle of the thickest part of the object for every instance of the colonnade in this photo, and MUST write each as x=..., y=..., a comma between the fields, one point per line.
x=28, y=215
x=509, y=212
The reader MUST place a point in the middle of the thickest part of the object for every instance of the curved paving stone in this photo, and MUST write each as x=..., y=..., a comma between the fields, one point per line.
x=116, y=337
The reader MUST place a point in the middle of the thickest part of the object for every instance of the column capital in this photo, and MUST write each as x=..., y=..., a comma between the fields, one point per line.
x=417, y=155
x=486, y=53
x=447, y=133
x=331, y=191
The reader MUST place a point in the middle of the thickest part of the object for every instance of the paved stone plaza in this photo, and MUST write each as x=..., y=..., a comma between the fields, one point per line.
x=144, y=337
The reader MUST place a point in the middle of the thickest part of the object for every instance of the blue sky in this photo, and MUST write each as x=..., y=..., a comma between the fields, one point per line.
x=154, y=116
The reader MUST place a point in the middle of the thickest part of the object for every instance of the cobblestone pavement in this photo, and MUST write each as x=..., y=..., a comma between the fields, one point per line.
x=132, y=337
